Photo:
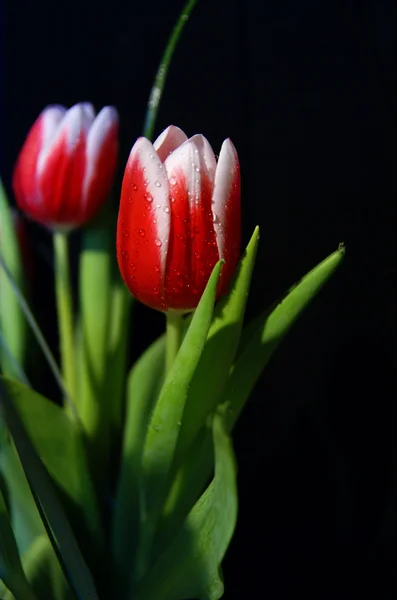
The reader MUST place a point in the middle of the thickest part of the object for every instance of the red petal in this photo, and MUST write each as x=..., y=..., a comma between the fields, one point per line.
x=192, y=251
x=143, y=225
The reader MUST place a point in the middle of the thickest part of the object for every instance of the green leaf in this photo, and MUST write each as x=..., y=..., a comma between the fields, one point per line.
x=94, y=288
x=259, y=341
x=217, y=357
x=25, y=518
x=164, y=426
x=59, y=444
x=62, y=537
x=11, y=571
x=142, y=385
x=189, y=568
x=12, y=322
x=266, y=333
x=117, y=349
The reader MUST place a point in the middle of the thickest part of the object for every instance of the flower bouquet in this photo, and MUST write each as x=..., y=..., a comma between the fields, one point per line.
x=124, y=484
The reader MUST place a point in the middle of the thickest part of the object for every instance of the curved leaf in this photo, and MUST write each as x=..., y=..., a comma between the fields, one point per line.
x=163, y=430
x=142, y=385
x=60, y=446
x=11, y=571
x=12, y=321
x=51, y=510
x=189, y=568
x=219, y=351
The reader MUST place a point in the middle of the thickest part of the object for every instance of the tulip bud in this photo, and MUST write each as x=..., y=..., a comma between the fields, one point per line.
x=179, y=214
x=66, y=167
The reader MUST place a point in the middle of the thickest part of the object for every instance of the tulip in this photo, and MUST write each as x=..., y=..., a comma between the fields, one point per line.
x=179, y=214
x=66, y=167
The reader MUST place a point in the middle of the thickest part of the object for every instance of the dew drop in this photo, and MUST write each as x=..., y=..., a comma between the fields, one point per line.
x=198, y=169
x=133, y=266
x=142, y=232
x=166, y=209
x=155, y=291
x=124, y=254
x=151, y=155
x=148, y=197
x=157, y=269
x=197, y=255
x=126, y=233
x=134, y=187
x=158, y=243
x=157, y=184
x=172, y=180
x=147, y=181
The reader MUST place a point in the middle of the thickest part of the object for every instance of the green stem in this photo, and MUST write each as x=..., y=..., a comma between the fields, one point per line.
x=173, y=338
x=65, y=311
x=161, y=75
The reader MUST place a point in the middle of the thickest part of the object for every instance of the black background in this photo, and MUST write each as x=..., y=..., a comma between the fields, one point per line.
x=308, y=93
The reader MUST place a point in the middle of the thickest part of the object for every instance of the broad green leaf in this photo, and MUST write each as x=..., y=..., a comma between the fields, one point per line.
x=267, y=333
x=11, y=571
x=59, y=444
x=142, y=385
x=62, y=537
x=189, y=568
x=219, y=351
x=259, y=341
x=12, y=321
x=164, y=426
x=94, y=288
x=25, y=518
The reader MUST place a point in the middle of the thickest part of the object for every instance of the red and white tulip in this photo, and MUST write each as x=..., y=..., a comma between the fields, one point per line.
x=179, y=214
x=66, y=167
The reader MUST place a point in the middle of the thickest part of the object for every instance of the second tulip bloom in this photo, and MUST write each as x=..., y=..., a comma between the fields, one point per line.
x=179, y=214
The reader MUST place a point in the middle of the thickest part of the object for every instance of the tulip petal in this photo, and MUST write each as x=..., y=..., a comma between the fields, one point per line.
x=168, y=141
x=144, y=224
x=24, y=177
x=192, y=250
x=226, y=208
x=101, y=156
x=206, y=156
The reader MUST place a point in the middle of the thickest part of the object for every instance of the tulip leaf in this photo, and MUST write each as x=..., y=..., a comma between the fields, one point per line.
x=60, y=447
x=94, y=288
x=164, y=426
x=51, y=510
x=255, y=350
x=12, y=321
x=266, y=333
x=117, y=346
x=219, y=352
x=11, y=571
x=189, y=567
x=142, y=385
x=25, y=518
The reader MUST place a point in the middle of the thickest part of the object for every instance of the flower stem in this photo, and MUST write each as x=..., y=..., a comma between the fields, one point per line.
x=65, y=311
x=173, y=338
x=162, y=71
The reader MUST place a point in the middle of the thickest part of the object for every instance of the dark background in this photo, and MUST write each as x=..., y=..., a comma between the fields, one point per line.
x=308, y=93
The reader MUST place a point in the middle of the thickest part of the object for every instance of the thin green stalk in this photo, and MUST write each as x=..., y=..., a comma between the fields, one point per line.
x=173, y=338
x=65, y=311
x=37, y=332
x=161, y=75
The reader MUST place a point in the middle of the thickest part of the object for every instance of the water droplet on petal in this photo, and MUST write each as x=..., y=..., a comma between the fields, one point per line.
x=151, y=155
x=158, y=205
x=142, y=232
x=124, y=254
x=198, y=169
x=148, y=197
x=133, y=266
x=172, y=180
x=157, y=184
x=157, y=269
x=166, y=209
x=158, y=243
x=134, y=187
x=126, y=233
